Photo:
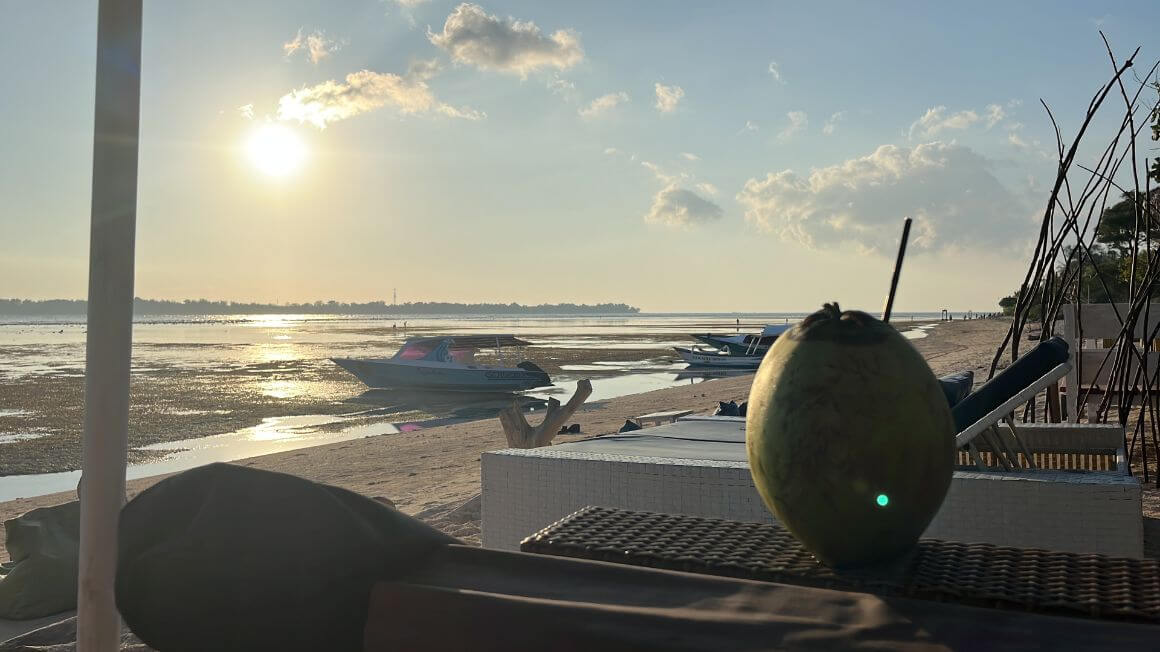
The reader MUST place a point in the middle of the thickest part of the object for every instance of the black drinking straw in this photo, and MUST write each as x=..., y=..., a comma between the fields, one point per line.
x=897, y=269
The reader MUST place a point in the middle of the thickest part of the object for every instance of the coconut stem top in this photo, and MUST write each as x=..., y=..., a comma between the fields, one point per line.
x=851, y=327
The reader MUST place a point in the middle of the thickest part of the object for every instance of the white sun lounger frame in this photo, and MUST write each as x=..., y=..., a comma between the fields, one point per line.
x=986, y=427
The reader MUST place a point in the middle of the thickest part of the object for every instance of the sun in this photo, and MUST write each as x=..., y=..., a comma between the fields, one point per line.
x=275, y=150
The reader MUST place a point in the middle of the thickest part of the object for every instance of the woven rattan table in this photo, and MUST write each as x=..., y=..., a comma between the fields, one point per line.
x=974, y=574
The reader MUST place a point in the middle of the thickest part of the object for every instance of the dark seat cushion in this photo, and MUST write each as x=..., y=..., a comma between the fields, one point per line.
x=225, y=557
x=1031, y=366
x=957, y=386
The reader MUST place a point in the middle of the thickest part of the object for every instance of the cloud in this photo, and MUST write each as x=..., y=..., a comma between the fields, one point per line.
x=315, y=44
x=602, y=105
x=798, y=120
x=775, y=72
x=681, y=207
x=668, y=97
x=948, y=189
x=410, y=4
x=706, y=187
x=562, y=87
x=832, y=123
x=749, y=126
x=994, y=115
x=690, y=156
x=936, y=120
x=656, y=170
x=471, y=35
x=367, y=90
x=611, y=151
x=246, y=111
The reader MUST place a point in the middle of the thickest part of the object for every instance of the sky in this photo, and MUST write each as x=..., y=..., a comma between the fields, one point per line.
x=708, y=157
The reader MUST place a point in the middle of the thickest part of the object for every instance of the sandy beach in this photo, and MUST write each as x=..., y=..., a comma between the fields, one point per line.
x=430, y=472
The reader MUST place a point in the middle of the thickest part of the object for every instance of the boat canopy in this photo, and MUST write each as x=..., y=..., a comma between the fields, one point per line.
x=418, y=348
x=775, y=329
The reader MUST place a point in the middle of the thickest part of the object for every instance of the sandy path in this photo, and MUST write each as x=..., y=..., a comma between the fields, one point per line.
x=429, y=472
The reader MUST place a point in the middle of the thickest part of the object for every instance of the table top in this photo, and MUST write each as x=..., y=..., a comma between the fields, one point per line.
x=973, y=574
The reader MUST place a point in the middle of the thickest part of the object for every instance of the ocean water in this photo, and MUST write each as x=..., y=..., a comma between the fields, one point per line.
x=254, y=384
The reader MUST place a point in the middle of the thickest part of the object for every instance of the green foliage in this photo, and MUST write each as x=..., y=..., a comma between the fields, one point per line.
x=1125, y=221
x=1008, y=304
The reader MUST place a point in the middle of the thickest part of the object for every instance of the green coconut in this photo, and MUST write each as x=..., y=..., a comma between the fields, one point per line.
x=849, y=437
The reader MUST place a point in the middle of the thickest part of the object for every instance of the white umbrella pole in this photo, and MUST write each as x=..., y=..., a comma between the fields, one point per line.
x=110, y=318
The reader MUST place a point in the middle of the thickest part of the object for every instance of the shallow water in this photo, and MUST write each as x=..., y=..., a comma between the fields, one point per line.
x=225, y=388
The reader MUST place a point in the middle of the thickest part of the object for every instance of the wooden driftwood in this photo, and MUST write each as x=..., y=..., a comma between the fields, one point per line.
x=520, y=434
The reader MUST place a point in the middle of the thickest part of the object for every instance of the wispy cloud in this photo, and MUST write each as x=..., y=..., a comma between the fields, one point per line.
x=775, y=72
x=706, y=187
x=657, y=171
x=749, y=126
x=994, y=115
x=602, y=105
x=798, y=120
x=690, y=156
x=832, y=124
x=937, y=119
x=471, y=35
x=365, y=91
x=675, y=206
x=562, y=87
x=668, y=97
x=246, y=111
x=315, y=45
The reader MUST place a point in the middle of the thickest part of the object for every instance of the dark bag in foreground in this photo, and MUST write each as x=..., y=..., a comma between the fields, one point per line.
x=230, y=558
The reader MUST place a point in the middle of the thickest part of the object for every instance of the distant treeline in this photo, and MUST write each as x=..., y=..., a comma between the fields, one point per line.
x=204, y=307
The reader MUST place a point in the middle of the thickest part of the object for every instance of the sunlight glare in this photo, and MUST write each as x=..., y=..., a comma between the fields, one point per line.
x=275, y=150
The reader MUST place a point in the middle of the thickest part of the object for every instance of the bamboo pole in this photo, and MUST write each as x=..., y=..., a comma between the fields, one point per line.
x=110, y=318
x=897, y=270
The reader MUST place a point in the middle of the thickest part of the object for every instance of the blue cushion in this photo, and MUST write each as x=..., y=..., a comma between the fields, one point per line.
x=956, y=386
x=1007, y=383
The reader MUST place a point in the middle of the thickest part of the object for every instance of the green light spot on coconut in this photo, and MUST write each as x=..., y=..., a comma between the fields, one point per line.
x=883, y=500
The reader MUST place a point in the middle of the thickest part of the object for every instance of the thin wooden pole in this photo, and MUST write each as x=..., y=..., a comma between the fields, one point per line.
x=110, y=318
x=897, y=270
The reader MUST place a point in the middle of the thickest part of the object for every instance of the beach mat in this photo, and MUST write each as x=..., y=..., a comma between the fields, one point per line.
x=41, y=579
x=226, y=557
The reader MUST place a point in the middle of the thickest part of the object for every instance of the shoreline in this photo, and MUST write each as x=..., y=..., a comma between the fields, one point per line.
x=429, y=472
x=220, y=384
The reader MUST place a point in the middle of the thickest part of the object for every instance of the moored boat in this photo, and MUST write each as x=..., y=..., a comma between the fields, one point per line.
x=448, y=363
x=745, y=344
x=712, y=358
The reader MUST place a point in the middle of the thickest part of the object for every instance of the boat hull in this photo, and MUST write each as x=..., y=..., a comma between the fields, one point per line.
x=702, y=359
x=383, y=374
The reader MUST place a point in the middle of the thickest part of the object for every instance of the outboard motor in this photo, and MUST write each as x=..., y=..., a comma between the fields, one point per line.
x=528, y=365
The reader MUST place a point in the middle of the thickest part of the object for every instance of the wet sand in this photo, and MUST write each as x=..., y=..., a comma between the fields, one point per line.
x=171, y=402
x=430, y=472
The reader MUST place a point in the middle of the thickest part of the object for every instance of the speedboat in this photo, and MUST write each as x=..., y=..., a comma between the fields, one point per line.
x=718, y=358
x=448, y=363
x=746, y=344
